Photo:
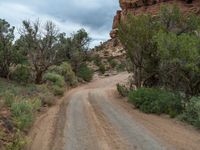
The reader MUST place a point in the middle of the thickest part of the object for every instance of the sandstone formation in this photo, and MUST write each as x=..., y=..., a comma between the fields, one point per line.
x=137, y=7
x=109, y=49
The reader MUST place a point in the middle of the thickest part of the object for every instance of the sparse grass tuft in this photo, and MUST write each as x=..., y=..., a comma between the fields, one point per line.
x=8, y=98
x=22, y=113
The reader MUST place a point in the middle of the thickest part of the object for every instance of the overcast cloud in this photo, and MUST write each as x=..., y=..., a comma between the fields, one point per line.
x=69, y=15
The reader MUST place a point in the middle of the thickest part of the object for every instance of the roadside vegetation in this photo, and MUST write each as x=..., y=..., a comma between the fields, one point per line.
x=164, y=58
x=35, y=70
x=108, y=64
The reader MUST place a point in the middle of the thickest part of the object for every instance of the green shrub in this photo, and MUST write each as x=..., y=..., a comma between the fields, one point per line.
x=21, y=74
x=123, y=90
x=55, y=78
x=66, y=71
x=69, y=74
x=58, y=91
x=22, y=113
x=85, y=73
x=8, y=98
x=102, y=69
x=150, y=100
x=192, y=112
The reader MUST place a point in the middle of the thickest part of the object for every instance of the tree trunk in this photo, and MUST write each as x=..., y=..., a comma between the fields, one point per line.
x=38, y=79
x=138, y=77
x=4, y=72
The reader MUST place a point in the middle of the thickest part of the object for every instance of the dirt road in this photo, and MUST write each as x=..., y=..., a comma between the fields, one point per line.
x=94, y=117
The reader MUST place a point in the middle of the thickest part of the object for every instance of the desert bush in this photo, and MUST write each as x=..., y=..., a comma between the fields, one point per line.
x=55, y=78
x=58, y=83
x=47, y=98
x=85, y=73
x=22, y=113
x=66, y=71
x=8, y=98
x=69, y=74
x=21, y=74
x=151, y=100
x=123, y=90
x=192, y=112
x=58, y=91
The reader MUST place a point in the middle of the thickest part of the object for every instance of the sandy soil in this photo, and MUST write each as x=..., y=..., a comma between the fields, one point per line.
x=94, y=117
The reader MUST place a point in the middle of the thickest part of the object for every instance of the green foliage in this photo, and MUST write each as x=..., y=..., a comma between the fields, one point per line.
x=170, y=17
x=55, y=78
x=21, y=74
x=58, y=91
x=192, y=112
x=66, y=71
x=9, y=98
x=85, y=73
x=178, y=49
x=179, y=56
x=18, y=143
x=27, y=59
x=150, y=100
x=69, y=74
x=75, y=48
x=57, y=81
x=164, y=51
x=51, y=48
x=136, y=34
x=172, y=20
x=22, y=112
x=8, y=55
x=123, y=90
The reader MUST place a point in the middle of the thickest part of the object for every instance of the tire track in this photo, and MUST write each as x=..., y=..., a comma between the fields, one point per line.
x=104, y=128
x=137, y=137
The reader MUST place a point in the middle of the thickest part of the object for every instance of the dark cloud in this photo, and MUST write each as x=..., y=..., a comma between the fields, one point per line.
x=95, y=15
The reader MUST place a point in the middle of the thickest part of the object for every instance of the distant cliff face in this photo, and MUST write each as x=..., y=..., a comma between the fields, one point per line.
x=137, y=7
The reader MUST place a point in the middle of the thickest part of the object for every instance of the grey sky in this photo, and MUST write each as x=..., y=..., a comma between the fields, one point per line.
x=70, y=15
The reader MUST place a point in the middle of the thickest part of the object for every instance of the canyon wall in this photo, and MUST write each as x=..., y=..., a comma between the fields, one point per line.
x=137, y=7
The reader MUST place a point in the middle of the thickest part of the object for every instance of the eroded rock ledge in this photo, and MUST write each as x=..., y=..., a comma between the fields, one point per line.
x=137, y=7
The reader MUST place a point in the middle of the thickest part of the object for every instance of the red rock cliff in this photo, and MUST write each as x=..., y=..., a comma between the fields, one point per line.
x=137, y=7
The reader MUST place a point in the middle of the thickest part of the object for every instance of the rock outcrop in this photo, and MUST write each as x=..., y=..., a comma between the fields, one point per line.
x=109, y=49
x=137, y=7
